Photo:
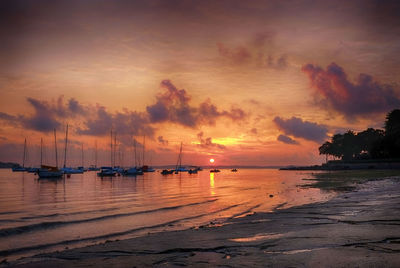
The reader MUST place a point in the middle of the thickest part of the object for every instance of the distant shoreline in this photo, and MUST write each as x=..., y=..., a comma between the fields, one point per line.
x=8, y=165
x=350, y=165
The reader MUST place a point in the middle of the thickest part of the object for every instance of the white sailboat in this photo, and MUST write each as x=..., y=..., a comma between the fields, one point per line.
x=108, y=171
x=179, y=167
x=50, y=172
x=65, y=169
x=133, y=171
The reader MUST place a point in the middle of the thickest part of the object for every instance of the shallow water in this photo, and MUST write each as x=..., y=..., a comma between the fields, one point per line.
x=46, y=215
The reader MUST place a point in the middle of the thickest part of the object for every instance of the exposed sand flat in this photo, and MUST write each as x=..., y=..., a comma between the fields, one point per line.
x=355, y=229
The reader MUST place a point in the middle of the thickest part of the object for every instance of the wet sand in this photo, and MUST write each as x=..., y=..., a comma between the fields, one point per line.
x=355, y=229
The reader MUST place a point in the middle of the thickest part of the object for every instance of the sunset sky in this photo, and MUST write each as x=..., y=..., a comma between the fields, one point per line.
x=243, y=82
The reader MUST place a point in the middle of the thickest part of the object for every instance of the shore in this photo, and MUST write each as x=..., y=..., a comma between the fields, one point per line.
x=385, y=164
x=360, y=228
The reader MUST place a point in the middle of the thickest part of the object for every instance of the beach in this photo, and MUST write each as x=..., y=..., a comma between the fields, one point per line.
x=358, y=228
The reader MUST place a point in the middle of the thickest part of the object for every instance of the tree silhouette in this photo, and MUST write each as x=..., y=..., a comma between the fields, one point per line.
x=368, y=144
x=391, y=141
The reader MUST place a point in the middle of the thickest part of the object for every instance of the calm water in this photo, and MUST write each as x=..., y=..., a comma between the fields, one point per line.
x=47, y=215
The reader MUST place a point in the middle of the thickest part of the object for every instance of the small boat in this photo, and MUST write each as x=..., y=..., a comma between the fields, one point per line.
x=33, y=170
x=93, y=168
x=234, y=170
x=106, y=172
x=82, y=169
x=68, y=170
x=51, y=172
x=147, y=169
x=214, y=170
x=48, y=172
x=167, y=172
x=132, y=172
x=192, y=171
x=18, y=169
x=179, y=167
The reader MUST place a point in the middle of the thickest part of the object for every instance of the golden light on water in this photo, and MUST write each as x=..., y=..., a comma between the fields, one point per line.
x=212, y=185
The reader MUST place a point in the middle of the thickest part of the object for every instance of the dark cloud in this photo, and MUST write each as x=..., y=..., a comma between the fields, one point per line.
x=236, y=114
x=302, y=129
x=254, y=131
x=173, y=105
x=96, y=120
x=279, y=63
x=123, y=123
x=236, y=55
x=287, y=139
x=162, y=141
x=43, y=119
x=46, y=115
x=207, y=142
x=7, y=117
x=100, y=125
x=75, y=107
x=254, y=54
x=208, y=113
x=359, y=99
x=263, y=38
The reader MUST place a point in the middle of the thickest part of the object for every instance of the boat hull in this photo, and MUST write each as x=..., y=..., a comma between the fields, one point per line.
x=49, y=174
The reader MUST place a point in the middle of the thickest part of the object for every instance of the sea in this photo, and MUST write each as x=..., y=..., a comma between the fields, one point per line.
x=46, y=215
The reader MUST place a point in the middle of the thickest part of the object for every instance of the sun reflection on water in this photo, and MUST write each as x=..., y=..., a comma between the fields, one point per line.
x=212, y=183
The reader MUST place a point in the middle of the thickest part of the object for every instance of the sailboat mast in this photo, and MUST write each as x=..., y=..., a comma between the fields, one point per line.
x=95, y=155
x=111, y=151
x=134, y=146
x=180, y=156
x=121, y=156
x=144, y=143
x=82, y=154
x=55, y=146
x=179, y=162
x=41, y=152
x=65, y=149
x=115, y=148
x=24, y=156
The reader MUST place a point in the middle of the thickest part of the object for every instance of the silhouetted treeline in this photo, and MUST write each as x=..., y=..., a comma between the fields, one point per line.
x=368, y=144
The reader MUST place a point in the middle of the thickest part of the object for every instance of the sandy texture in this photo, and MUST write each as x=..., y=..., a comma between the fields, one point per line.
x=356, y=229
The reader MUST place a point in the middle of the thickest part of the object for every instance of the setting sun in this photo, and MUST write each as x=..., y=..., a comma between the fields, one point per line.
x=212, y=160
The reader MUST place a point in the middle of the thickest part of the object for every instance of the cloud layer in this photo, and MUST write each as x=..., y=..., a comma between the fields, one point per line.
x=286, y=139
x=207, y=142
x=359, y=99
x=258, y=51
x=174, y=105
x=301, y=129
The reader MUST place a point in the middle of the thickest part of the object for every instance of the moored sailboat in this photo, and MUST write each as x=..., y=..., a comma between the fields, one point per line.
x=21, y=168
x=47, y=172
x=133, y=171
x=94, y=167
x=179, y=167
x=65, y=169
x=108, y=171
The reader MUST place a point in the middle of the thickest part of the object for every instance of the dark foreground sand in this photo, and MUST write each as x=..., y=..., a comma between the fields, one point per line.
x=356, y=229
